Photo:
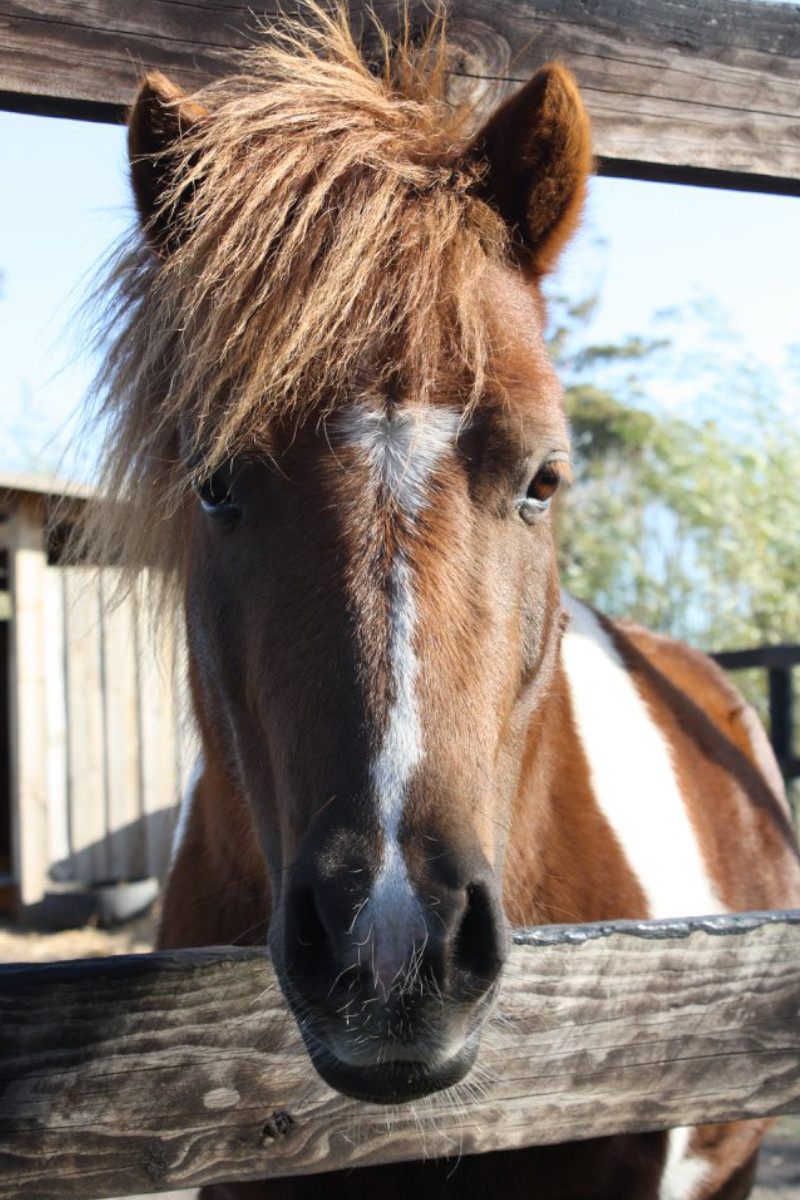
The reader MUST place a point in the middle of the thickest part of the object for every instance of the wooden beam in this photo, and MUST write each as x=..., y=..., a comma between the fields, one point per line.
x=779, y=657
x=152, y=1072
x=700, y=91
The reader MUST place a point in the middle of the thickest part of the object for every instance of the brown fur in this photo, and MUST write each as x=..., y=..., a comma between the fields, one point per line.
x=737, y=815
x=539, y=146
x=160, y=119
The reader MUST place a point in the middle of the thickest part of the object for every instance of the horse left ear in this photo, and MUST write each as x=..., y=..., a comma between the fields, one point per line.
x=161, y=115
x=537, y=148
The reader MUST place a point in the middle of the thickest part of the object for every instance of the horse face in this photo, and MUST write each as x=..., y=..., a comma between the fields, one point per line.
x=373, y=618
x=373, y=612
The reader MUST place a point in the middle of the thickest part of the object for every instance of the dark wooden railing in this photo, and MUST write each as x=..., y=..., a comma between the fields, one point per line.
x=706, y=92
x=777, y=661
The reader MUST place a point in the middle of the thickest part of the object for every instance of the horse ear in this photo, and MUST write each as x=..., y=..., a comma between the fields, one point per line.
x=160, y=116
x=537, y=148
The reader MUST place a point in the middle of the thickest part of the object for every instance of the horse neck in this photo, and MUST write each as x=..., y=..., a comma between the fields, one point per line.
x=218, y=890
x=564, y=863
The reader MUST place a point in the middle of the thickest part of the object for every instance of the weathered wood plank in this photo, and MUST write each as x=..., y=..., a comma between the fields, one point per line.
x=88, y=790
x=158, y=725
x=56, y=731
x=697, y=90
x=159, y=1071
x=125, y=832
x=27, y=563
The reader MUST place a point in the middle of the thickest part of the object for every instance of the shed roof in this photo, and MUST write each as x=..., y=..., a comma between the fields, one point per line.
x=43, y=484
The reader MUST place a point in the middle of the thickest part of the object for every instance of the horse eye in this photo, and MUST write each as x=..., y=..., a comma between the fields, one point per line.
x=541, y=489
x=215, y=495
x=544, y=484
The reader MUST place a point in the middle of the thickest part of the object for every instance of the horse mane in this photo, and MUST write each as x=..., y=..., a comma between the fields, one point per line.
x=331, y=237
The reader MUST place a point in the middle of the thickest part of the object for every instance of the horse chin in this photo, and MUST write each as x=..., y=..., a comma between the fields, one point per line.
x=397, y=1081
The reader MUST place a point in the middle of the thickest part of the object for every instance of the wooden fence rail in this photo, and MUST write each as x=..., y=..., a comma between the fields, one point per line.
x=778, y=662
x=704, y=91
x=151, y=1072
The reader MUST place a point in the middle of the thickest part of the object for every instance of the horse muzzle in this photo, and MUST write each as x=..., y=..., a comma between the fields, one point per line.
x=390, y=992
x=391, y=1079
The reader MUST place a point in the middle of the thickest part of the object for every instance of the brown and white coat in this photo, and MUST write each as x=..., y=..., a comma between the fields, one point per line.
x=332, y=402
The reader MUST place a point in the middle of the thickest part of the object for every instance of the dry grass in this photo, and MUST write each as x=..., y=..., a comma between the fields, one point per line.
x=18, y=944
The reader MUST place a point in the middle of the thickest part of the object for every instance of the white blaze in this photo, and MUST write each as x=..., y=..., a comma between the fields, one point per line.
x=632, y=774
x=402, y=749
x=402, y=448
x=402, y=451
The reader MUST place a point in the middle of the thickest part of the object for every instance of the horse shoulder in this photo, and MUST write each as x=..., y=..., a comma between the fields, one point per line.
x=724, y=765
x=699, y=676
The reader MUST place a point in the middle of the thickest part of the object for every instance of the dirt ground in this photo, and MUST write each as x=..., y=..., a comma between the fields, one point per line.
x=779, y=1173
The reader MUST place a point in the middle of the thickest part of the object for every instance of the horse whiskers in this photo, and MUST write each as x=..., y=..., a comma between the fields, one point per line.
x=358, y=910
x=342, y=973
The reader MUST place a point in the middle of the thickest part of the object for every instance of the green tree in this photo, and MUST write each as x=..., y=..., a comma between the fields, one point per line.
x=683, y=516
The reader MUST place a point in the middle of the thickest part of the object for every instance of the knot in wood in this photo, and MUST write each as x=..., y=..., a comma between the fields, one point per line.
x=279, y=1125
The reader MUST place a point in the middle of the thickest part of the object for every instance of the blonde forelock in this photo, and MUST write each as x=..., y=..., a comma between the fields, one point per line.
x=329, y=233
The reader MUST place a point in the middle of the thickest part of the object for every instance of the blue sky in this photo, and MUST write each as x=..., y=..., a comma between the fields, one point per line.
x=66, y=204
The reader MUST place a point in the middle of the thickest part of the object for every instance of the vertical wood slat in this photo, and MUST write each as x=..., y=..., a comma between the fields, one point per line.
x=56, y=750
x=157, y=724
x=127, y=748
x=126, y=843
x=27, y=567
x=86, y=726
x=781, y=715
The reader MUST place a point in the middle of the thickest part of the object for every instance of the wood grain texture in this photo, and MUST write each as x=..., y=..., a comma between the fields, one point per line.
x=125, y=831
x=159, y=718
x=705, y=91
x=160, y=1071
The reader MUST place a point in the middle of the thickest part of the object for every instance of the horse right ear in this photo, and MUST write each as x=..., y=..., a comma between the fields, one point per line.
x=161, y=115
x=537, y=154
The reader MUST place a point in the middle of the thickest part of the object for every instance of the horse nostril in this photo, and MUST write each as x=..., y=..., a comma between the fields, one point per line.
x=306, y=927
x=477, y=946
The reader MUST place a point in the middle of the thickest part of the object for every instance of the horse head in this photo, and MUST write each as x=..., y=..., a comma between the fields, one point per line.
x=334, y=390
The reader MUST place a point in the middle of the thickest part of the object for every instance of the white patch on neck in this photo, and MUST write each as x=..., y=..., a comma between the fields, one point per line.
x=179, y=832
x=402, y=450
x=632, y=775
x=683, y=1172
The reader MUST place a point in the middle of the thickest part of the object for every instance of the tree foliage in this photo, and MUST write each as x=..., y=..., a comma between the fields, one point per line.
x=684, y=515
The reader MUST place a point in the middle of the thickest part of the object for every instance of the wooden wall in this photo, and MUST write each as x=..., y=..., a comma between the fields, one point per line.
x=102, y=744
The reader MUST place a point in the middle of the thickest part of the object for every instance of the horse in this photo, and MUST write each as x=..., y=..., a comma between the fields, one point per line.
x=336, y=436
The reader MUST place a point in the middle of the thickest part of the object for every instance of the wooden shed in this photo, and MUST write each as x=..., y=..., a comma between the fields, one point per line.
x=96, y=743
